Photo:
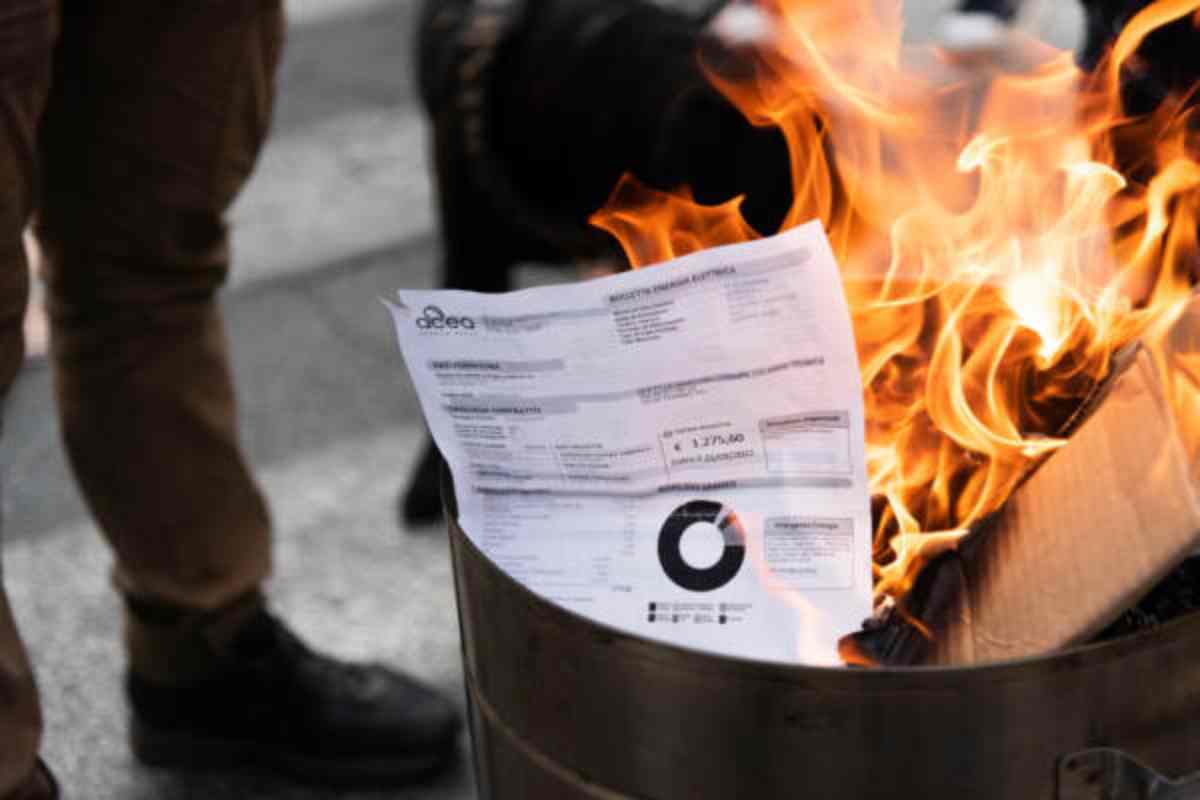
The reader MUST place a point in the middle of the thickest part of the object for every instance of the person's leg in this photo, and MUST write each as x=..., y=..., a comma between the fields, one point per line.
x=156, y=118
x=154, y=122
x=27, y=30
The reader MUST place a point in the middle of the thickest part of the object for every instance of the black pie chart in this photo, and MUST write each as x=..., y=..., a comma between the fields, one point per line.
x=670, y=556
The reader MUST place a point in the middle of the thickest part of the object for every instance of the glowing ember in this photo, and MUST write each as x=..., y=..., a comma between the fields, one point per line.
x=995, y=255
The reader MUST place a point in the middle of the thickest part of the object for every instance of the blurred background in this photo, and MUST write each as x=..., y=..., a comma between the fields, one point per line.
x=338, y=214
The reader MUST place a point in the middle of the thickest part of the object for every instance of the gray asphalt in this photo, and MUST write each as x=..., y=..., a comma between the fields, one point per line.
x=338, y=214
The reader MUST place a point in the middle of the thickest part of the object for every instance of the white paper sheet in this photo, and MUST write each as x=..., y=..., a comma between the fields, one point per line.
x=676, y=451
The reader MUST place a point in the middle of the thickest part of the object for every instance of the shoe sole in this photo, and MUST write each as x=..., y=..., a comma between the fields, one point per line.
x=175, y=750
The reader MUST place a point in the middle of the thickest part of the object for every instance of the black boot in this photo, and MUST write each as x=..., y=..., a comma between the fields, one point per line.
x=265, y=700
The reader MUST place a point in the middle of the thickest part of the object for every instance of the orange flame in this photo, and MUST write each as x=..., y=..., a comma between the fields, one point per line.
x=995, y=249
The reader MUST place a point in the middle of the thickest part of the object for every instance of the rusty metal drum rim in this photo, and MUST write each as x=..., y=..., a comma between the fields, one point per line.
x=578, y=709
x=579, y=626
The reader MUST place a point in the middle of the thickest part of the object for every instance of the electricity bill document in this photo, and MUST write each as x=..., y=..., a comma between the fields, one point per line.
x=676, y=451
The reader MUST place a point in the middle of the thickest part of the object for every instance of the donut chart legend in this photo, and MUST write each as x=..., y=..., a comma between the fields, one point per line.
x=687, y=613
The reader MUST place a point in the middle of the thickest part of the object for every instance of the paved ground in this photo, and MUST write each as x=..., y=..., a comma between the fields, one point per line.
x=338, y=214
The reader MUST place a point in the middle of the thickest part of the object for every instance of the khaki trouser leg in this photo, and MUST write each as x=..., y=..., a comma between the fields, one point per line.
x=156, y=118
x=27, y=30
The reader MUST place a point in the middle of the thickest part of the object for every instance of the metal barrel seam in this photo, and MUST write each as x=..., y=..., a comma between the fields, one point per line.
x=535, y=755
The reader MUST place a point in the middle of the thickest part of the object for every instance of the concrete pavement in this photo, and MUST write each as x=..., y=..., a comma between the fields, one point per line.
x=338, y=214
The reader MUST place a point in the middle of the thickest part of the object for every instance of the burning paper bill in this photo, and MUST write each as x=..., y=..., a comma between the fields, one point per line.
x=675, y=452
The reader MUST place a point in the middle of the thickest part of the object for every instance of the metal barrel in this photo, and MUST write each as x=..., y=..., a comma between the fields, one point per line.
x=563, y=707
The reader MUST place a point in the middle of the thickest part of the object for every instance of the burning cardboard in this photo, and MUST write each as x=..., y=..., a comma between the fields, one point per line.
x=1080, y=541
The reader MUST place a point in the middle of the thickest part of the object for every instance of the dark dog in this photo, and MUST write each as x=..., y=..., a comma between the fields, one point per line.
x=539, y=106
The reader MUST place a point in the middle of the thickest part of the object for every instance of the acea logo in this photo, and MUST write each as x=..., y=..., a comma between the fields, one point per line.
x=434, y=319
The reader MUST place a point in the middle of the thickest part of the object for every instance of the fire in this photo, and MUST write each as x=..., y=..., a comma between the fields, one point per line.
x=1000, y=241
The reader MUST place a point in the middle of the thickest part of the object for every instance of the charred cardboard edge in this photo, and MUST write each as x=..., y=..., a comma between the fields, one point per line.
x=1089, y=532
